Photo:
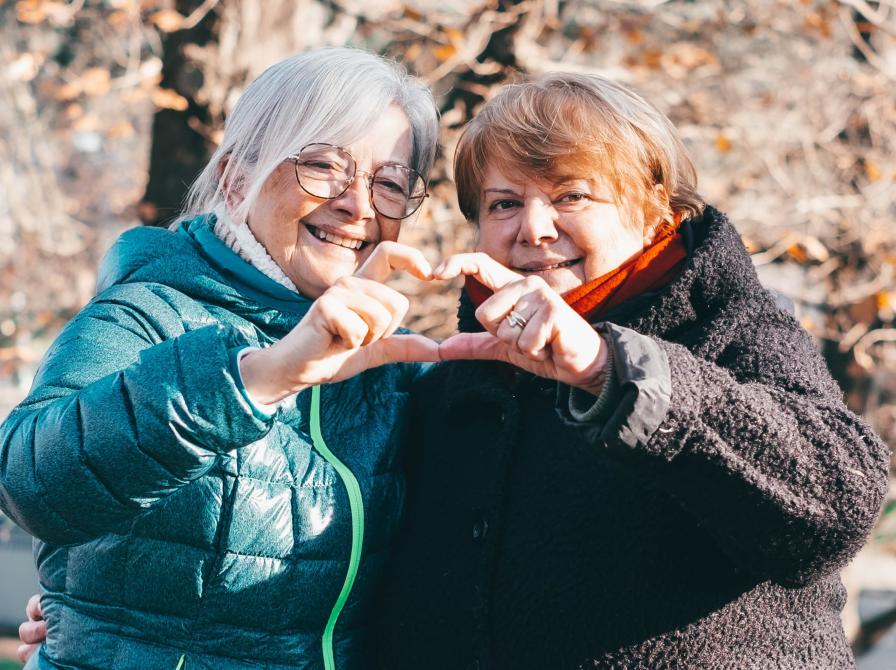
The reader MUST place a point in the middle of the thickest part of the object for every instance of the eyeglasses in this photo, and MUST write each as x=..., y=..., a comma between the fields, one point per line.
x=327, y=171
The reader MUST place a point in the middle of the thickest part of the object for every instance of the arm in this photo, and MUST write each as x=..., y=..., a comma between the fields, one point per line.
x=757, y=444
x=119, y=418
x=128, y=408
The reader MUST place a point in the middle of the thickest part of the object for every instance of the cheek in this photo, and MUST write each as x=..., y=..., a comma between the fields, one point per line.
x=389, y=230
x=496, y=241
x=615, y=249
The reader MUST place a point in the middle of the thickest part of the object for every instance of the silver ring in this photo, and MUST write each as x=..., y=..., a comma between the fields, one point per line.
x=516, y=319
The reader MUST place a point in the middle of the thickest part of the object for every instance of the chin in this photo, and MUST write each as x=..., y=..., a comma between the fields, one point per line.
x=563, y=281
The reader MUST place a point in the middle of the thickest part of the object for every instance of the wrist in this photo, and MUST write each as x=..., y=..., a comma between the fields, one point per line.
x=263, y=376
x=595, y=377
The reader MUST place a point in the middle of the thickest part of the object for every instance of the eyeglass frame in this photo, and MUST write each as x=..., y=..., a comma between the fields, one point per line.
x=369, y=177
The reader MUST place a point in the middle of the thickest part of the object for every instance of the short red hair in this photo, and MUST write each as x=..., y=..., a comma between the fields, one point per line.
x=562, y=126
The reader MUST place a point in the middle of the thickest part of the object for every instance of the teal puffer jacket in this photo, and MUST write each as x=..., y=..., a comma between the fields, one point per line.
x=177, y=525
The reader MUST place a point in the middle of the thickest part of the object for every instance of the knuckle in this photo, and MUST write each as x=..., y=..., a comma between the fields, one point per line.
x=385, y=249
x=479, y=257
x=401, y=302
x=326, y=304
x=536, y=284
x=347, y=282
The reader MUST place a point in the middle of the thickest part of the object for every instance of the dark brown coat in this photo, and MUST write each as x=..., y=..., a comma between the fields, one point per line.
x=700, y=525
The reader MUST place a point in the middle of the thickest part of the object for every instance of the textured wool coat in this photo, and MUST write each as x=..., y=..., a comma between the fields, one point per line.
x=700, y=523
x=175, y=520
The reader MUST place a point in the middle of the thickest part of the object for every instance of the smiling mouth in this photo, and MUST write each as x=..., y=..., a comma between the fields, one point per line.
x=544, y=268
x=345, y=242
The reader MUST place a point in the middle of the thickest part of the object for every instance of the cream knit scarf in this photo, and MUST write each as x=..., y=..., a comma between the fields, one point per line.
x=241, y=240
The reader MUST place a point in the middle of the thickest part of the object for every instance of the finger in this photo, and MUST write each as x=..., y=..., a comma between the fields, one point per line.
x=342, y=322
x=369, y=309
x=403, y=349
x=482, y=266
x=33, y=632
x=508, y=334
x=25, y=651
x=32, y=609
x=524, y=297
x=533, y=341
x=391, y=256
x=473, y=346
x=528, y=340
x=393, y=301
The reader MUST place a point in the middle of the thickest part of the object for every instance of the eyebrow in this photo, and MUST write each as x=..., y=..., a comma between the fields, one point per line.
x=506, y=191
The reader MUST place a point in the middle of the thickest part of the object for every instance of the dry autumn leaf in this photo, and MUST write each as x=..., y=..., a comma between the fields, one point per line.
x=692, y=56
x=723, y=144
x=454, y=35
x=120, y=130
x=73, y=111
x=166, y=98
x=68, y=91
x=444, y=51
x=30, y=11
x=412, y=14
x=412, y=52
x=167, y=20
x=819, y=23
x=797, y=253
x=95, y=81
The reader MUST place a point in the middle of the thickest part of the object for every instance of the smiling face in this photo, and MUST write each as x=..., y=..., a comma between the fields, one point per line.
x=317, y=241
x=567, y=232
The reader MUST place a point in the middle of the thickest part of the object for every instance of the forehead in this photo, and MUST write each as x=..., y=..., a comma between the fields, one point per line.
x=494, y=179
x=388, y=139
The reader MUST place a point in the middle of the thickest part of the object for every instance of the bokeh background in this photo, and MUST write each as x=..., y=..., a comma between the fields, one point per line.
x=108, y=109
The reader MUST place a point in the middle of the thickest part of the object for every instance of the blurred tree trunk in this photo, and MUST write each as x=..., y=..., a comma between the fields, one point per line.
x=207, y=65
x=179, y=149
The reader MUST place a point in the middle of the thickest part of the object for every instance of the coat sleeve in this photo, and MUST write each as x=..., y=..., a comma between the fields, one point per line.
x=755, y=443
x=119, y=417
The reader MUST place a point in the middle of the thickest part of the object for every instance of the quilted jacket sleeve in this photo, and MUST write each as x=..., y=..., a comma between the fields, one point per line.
x=119, y=417
x=756, y=443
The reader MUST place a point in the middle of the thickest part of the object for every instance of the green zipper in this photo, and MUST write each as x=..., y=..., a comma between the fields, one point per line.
x=356, y=505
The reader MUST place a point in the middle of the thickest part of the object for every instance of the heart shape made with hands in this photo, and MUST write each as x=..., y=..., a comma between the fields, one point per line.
x=527, y=324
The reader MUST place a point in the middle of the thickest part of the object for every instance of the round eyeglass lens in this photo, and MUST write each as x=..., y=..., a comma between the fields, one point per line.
x=324, y=171
x=397, y=191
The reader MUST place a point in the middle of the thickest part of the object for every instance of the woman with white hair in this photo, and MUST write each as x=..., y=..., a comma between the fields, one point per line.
x=177, y=459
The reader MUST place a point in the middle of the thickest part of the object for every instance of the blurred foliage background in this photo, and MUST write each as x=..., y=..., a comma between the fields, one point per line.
x=108, y=109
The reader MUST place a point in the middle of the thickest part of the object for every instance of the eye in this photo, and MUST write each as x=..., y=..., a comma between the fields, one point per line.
x=503, y=205
x=319, y=164
x=573, y=197
x=389, y=185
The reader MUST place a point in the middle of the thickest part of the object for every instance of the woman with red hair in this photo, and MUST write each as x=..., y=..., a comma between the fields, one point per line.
x=665, y=474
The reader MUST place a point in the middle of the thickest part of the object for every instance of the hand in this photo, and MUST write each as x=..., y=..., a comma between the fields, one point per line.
x=552, y=341
x=32, y=632
x=348, y=329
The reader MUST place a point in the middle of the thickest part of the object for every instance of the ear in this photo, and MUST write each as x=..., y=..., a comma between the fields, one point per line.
x=232, y=183
x=652, y=228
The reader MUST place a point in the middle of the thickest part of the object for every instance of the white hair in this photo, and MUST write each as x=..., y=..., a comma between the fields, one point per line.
x=331, y=95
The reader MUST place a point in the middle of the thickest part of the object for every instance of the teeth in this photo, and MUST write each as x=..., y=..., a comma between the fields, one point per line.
x=335, y=239
x=564, y=264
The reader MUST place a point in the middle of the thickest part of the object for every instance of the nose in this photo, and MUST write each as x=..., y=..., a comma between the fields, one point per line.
x=355, y=203
x=538, y=224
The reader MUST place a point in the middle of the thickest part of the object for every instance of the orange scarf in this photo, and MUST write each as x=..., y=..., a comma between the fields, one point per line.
x=656, y=267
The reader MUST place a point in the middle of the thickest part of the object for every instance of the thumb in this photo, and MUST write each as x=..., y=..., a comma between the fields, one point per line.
x=402, y=349
x=473, y=346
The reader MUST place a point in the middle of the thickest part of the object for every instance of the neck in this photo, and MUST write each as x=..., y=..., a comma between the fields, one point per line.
x=241, y=241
